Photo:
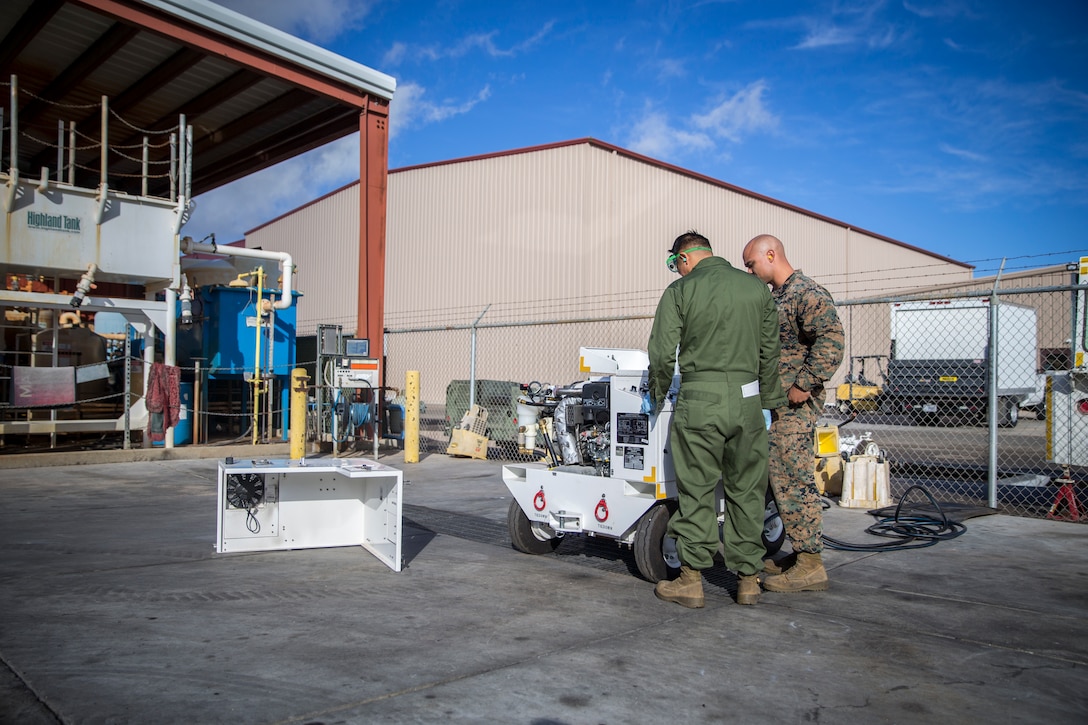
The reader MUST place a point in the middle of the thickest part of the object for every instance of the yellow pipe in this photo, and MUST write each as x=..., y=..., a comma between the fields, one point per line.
x=257, y=357
x=411, y=417
x=298, y=413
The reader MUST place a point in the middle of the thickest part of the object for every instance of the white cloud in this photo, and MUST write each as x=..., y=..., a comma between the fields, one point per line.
x=826, y=36
x=846, y=25
x=315, y=20
x=410, y=109
x=654, y=136
x=744, y=112
x=962, y=153
x=485, y=42
x=942, y=9
x=670, y=68
x=731, y=119
x=394, y=55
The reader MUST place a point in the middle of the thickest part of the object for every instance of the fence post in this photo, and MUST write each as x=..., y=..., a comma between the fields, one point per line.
x=992, y=412
x=472, y=361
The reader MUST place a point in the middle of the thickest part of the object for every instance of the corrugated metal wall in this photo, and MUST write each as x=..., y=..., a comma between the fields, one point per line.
x=323, y=240
x=576, y=230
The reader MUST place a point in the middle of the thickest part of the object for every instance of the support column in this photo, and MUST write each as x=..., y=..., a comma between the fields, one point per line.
x=373, y=170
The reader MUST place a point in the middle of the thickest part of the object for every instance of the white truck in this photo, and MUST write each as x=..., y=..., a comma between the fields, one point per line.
x=940, y=360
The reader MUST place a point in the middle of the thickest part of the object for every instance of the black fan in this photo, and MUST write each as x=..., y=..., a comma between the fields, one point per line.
x=245, y=490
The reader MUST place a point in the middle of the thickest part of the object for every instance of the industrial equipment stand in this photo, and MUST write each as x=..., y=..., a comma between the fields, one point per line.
x=1068, y=494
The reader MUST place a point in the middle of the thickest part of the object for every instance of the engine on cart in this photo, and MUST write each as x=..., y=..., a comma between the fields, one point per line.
x=573, y=423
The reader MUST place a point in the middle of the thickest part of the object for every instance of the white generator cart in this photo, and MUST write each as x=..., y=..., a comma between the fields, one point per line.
x=610, y=472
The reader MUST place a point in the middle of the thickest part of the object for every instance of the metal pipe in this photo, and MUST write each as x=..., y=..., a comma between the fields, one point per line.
x=472, y=361
x=71, y=153
x=188, y=246
x=173, y=165
x=60, y=149
x=182, y=183
x=83, y=288
x=103, y=161
x=197, y=407
x=143, y=170
x=55, y=357
x=992, y=398
x=128, y=389
x=149, y=360
x=188, y=162
x=257, y=358
x=13, y=136
x=170, y=336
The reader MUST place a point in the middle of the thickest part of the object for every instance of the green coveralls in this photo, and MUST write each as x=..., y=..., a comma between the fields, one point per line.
x=726, y=325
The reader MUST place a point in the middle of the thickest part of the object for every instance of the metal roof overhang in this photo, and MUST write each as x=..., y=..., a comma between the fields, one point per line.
x=254, y=95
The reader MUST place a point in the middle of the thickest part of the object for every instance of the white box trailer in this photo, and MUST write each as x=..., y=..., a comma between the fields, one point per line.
x=940, y=359
x=1067, y=391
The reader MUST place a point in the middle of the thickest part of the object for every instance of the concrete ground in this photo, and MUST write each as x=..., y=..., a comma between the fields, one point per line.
x=115, y=609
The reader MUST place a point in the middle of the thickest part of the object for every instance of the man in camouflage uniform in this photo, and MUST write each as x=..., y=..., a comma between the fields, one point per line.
x=726, y=326
x=812, y=350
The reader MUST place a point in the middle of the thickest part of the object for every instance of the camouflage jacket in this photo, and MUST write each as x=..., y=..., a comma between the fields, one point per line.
x=811, y=334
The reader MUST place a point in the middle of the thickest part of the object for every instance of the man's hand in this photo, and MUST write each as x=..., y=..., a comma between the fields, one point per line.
x=797, y=396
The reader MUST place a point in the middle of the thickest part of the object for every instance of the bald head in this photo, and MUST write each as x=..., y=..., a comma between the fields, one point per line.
x=765, y=257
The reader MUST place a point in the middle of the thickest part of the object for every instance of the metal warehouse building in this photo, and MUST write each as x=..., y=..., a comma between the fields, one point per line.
x=504, y=264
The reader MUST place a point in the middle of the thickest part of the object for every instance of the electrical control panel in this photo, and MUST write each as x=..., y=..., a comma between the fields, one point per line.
x=356, y=372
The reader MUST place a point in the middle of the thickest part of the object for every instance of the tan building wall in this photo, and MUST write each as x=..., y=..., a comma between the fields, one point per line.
x=578, y=230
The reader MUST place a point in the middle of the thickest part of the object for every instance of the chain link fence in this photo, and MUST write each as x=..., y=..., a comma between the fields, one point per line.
x=916, y=379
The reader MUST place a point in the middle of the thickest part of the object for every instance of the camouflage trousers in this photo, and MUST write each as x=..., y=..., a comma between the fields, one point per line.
x=791, y=459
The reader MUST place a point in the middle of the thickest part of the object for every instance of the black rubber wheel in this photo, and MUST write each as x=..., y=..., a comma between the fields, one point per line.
x=1008, y=413
x=655, y=557
x=774, y=531
x=523, y=534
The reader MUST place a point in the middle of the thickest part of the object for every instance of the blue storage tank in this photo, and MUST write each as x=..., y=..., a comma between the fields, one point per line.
x=225, y=335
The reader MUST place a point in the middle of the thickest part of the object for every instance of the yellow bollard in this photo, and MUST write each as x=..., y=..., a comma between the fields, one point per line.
x=299, y=400
x=411, y=417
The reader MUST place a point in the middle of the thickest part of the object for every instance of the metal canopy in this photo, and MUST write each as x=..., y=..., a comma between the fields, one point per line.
x=254, y=96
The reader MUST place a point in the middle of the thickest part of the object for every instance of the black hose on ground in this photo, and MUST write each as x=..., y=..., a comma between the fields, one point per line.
x=907, y=532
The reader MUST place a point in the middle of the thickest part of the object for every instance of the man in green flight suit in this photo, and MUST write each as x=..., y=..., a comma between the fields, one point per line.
x=722, y=326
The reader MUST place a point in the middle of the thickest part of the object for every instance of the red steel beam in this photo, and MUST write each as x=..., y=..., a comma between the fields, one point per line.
x=373, y=172
x=187, y=34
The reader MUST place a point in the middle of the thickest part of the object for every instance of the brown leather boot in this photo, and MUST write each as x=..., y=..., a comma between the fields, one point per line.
x=747, y=589
x=686, y=590
x=807, y=575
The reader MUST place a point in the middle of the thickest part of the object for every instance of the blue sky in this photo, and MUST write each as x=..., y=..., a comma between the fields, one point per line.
x=958, y=126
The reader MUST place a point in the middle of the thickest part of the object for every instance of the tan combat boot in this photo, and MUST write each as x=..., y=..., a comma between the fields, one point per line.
x=770, y=566
x=747, y=589
x=686, y=590
x=807, y=575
